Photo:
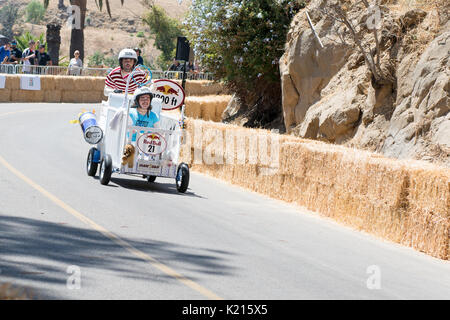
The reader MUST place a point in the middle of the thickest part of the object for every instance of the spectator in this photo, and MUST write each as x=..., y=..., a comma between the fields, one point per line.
x=16, y=54
x=174, y=66
x=75, y=64
x=5, y=52
x=29, y=57
x=43, y=57
x=190, y=67
x=140, y=60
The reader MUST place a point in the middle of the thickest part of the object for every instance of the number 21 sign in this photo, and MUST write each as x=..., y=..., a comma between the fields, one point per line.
x=152, y=143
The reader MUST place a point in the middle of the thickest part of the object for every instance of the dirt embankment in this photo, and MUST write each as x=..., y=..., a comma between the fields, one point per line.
x=329, y=93
x=102, y=33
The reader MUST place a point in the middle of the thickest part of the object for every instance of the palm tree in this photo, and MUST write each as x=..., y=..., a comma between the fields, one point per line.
x=77, y=34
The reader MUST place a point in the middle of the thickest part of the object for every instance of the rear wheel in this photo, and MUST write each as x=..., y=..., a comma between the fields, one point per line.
x=105, y=170
x=151, y=178
x=182, y=179
x=91, y=166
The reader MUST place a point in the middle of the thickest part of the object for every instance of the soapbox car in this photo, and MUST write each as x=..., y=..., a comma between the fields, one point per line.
x=139, y=151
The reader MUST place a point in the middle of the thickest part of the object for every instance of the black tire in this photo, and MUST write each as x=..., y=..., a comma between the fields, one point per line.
x=91, y=166
x=151, y=178
x=105, y=170
x=182, y=179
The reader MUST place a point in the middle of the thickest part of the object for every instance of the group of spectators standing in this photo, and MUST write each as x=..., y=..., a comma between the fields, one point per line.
x=177, y=66
x=34, y=55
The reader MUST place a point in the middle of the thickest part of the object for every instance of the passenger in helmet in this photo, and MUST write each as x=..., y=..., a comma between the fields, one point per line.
x=141, y=114
x=116, y=80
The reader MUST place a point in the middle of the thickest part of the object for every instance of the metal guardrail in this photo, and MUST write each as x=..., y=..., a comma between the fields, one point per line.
x=94, y=72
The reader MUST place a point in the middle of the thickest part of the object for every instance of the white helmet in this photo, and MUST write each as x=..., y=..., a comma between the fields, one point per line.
x=128, y=53
x=140, y=92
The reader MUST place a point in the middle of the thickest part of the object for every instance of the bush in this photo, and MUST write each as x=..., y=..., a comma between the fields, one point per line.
x=96, y=59
x=140, y=34
x=241, y=42
x=34, y=12
x=99, y=59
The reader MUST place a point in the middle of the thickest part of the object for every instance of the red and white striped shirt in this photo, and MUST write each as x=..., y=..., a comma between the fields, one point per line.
x=115, y=80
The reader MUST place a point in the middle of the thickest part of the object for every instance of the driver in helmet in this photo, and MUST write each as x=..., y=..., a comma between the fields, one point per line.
x=116, y=80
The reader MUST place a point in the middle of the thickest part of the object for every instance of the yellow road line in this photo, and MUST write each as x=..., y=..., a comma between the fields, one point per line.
x=155, y=263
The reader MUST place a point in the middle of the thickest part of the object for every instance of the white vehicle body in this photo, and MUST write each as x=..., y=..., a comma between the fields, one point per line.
x=162, y=162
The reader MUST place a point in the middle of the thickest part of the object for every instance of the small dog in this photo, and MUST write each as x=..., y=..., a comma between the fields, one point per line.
x=128, y=155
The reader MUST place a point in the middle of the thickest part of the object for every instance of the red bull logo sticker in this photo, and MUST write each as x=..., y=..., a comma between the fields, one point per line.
x=152, y=144
x=170, y=92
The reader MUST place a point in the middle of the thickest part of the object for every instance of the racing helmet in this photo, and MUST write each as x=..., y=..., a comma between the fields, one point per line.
x=127, y=53
x=140, y=92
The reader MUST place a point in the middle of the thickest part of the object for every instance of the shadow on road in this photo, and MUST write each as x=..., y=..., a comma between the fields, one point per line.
x=38, y=252
x=159, y=186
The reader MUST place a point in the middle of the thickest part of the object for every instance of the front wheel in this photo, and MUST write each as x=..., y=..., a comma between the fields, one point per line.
x=105, y=170
x=151, y=178
x=91, y=166
x=182, y=179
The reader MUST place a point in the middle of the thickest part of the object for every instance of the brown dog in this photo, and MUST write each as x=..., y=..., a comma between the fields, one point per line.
x=128, y=155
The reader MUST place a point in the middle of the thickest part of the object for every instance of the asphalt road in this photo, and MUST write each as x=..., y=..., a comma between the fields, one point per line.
x=135, y=240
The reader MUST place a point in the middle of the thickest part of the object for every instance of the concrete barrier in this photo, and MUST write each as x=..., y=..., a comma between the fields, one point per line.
x=403, y=201
x=82, y=89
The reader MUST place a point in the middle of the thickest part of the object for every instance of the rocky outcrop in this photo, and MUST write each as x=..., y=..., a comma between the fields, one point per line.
x=329, y=93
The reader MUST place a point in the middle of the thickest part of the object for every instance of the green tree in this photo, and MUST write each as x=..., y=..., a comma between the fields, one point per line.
x=34, y=12
x=8, y=17
x=241, y=42
x=165, y=31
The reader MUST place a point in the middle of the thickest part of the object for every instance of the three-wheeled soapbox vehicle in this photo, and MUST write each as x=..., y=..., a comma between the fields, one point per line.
x=140, y=151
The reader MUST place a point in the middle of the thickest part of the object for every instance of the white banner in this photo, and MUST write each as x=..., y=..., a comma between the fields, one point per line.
x=2, y=81
x=30, y=82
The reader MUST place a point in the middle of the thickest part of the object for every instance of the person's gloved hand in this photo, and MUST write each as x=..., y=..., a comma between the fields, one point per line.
x=118, y=91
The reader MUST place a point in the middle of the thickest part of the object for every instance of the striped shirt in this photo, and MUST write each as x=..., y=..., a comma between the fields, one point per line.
x=115, y=80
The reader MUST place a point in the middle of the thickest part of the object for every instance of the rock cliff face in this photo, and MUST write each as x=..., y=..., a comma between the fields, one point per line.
x=330, y=94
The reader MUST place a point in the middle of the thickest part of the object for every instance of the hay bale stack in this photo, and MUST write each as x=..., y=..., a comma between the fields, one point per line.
x=206, y=107
x=52, y=96
x=403, y=201
x=80, y=96
x=12, y=82
x=48, y=82
x=202, y=87
x=5, y=95
x=27, y=95
x=65, y=83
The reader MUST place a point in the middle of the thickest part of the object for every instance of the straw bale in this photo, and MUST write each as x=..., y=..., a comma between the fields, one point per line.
x=86, y=84
x=65, y=83
x=202, y=87
x=192, y=109
x=27, y=95
x=52, y=96
x=405, y=202
x=80, y=96
x=5, y=95
x=12, y=82
x=48, y=82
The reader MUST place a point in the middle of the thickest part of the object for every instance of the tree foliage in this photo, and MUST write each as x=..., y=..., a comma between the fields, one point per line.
x=34, y=12
x=165, y=31
x=241, y=41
